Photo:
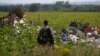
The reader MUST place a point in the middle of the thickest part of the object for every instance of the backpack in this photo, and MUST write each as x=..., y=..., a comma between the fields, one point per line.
x=45, y=35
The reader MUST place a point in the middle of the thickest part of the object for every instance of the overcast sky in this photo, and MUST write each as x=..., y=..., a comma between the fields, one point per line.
x=39, y=1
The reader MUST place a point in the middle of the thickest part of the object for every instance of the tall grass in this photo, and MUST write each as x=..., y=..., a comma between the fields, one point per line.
x=24, y=43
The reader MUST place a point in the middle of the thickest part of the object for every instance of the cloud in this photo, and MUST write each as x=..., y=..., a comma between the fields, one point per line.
x=39, y=1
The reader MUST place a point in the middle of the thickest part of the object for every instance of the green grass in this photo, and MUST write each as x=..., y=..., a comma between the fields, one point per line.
x=23, y=44
x=62, y=19
x=59, y=20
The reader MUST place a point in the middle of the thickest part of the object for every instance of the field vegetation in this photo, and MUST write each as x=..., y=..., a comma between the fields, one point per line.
x=24, y=42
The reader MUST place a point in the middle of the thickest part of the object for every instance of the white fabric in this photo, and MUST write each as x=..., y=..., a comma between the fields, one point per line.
x=74, y=38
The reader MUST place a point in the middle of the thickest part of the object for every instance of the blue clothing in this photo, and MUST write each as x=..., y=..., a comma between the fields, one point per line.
x=64, y=37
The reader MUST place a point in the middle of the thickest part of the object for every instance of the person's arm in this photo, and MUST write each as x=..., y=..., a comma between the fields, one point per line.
x=39, y=35
x=53, y=32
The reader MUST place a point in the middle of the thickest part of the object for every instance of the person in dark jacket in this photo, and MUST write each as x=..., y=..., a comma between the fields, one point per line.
x=45, y=36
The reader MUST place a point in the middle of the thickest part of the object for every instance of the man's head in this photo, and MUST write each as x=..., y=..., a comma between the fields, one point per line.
x=45, y=22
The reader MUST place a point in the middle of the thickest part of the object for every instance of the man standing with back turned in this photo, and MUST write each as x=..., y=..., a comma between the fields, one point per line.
x=45, y=36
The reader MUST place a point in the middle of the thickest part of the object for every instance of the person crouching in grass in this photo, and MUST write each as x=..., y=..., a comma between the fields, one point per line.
x=64, y=36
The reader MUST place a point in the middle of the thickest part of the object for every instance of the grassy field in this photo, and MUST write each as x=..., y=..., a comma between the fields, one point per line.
x=62, y=19
x=24, y=43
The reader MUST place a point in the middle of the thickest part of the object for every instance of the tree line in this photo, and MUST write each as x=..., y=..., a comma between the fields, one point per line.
x=58, y=6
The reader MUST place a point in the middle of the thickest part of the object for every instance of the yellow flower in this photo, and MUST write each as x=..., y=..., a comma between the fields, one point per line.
x=56, y=46
x=66, y=50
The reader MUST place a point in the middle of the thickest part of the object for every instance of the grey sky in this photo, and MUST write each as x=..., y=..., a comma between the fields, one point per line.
x=40, y=1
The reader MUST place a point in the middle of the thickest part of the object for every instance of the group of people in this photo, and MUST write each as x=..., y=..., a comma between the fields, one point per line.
x=77, y=30
x=73, y=32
